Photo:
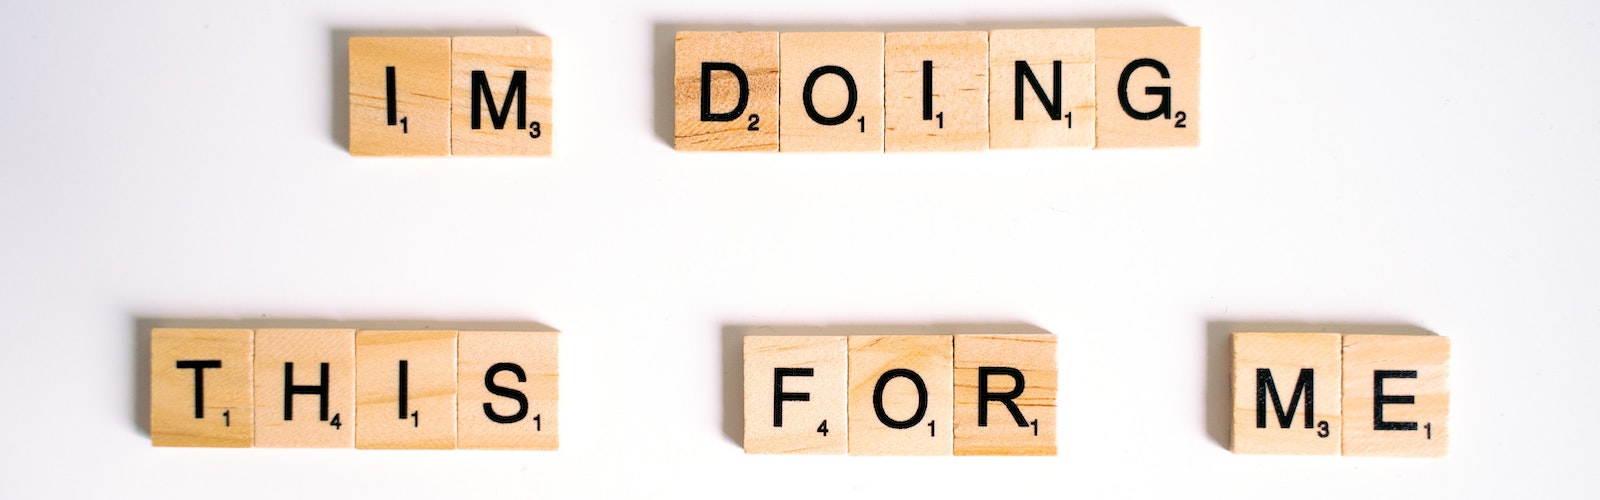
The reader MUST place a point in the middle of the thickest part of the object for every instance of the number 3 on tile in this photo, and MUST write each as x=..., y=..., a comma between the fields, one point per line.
x=533, y=130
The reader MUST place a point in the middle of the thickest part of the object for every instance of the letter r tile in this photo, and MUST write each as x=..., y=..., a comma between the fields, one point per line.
x=1286, y=393
x=794, y=395
x=1005, y=400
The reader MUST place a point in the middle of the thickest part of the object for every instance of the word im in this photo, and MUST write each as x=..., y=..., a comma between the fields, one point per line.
x=372, y=389
x=900, y=394
x=937, y=91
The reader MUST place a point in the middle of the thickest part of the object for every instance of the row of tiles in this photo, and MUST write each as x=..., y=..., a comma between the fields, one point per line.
x=338, y=388
x=937, y=91
x=900, y=394
x=1332, y=394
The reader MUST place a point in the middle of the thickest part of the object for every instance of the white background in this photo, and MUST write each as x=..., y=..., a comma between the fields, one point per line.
x=1383, y=167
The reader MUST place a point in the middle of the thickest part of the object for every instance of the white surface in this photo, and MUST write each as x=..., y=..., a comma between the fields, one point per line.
x=1377, y=165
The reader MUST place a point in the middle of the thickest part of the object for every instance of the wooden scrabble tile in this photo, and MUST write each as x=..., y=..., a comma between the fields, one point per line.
x=936, y=91
x=399, y=96
x=1286, y=393
x=501, y=99
x=305, y=388
x=831, y=95
x=726, y=91
x=1396, y=395
x=794, y=395
x=507, y=391
x=1148, y=81
x=405, y=389
x=1005, y=395
x=200, y=387
x=901, y=394
x=1041, y=88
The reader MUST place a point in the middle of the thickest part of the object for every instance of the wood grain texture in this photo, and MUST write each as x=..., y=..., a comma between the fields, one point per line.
x=1177, y=50
x=1038, y=51
x=383, y=419
x=899, y=428
x=756, y=55
x=217, y=362
x=300, y=422
x=1285, y=356
x=859, y=128
x=422, y=96
x=501, y=59
x=958, y=118
x=1417, y=405
x=525, y=362
x=823, y=392
x=995, y=430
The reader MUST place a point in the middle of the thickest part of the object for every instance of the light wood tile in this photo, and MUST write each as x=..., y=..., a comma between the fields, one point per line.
x=901, y=394
x=316, y=368
x=794, y=395
x=1286, y=393
x=936, y=95
x=1396, y=395
x=405, y=389
x=1005, y=395
x=501, y=103
x=1149, y=86
x=508, y=391
x=200, y=392
x=1053, y=108
x=819, y=72
x=399, y=96
x=716, y=115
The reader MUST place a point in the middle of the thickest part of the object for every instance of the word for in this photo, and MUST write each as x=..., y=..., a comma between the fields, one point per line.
x=937, y=91
x=440, y=96
x=369, y=389
x=1394, y=398
x=900, y=394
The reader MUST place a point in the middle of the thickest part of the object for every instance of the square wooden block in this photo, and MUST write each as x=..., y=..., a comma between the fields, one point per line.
x=936, y=91
x=1396, y=395
x=305, y=385
x=1005, y=395
x=501, y=97
x=794, y=395
x=1286, y=393
x=399, y=96
x=406, y=389
x=831, y=96
x=200, y=392
x=1041, y=88
x=901, y=394
x=507, y=391
x=725, y=87
x=1148, y=80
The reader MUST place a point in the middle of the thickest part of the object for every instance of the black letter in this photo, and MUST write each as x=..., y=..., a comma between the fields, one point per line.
x=199, y=382
x=850, y=101
x=779, y=396
x=515, y=395
x=403, y=390
x=1265, y=385
x=927, y=90
x=1005, y=398
x=1052, y=105
x=1379, y=399
x=1164, y=110
x=922, y=398
x=289, y=390
x=393, y=110
x=481, y=92
x=705, y=91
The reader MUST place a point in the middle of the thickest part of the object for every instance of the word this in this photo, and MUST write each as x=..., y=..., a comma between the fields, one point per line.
x=1389, y=394
x=937, y=91
x=369, y=389
x=900, y=395
x=441, y=96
